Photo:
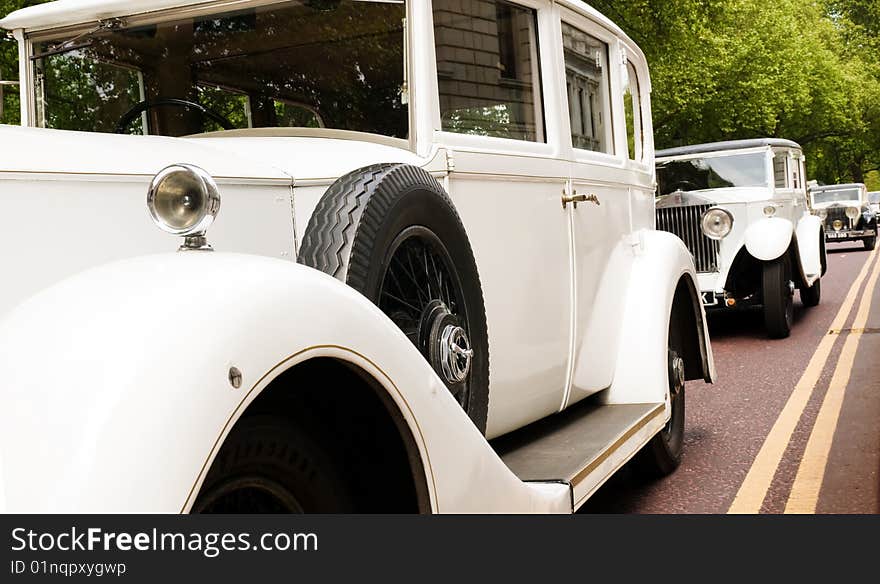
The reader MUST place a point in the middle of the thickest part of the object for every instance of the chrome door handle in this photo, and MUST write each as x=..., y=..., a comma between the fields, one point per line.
x=576, y=198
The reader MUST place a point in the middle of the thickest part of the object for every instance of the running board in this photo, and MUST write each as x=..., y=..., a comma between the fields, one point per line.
x=582, y=446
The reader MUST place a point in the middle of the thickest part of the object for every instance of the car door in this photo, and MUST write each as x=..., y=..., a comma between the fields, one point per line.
x=494, y=97
x=606, y=94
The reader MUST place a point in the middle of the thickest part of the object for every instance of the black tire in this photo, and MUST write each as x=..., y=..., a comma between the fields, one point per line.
x=778, y=298
x=662, y=455
x=364, y=229
x=811, y=296
x=268, y=464
x=870, y=242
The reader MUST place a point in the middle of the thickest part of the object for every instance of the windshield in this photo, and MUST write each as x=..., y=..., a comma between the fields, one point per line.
x=832, y=196
x=874, y=197
x=313, y=63
x=717, y=172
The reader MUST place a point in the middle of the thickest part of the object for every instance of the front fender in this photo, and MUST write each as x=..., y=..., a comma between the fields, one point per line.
x=116, y=393
x=768, y=238
x=661, y=261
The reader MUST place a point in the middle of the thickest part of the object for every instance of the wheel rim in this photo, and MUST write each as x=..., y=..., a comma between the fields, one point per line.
x=423, y=296
x=250, y=494
x=676, y=392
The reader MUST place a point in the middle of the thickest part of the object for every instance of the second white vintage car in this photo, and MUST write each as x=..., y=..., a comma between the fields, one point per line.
x=428, y=289
x=741, y=207
x=846, y=212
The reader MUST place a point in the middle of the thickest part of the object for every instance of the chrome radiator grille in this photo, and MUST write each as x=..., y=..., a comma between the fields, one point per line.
x=685, y=223
x=836, y=213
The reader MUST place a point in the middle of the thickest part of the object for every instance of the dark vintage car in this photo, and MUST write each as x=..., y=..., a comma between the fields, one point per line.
x=845, y=212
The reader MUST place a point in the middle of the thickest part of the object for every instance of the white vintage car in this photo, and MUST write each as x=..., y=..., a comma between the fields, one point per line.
x=433, y=226
x=874, y=201
x=741, y=207
x=847, y=213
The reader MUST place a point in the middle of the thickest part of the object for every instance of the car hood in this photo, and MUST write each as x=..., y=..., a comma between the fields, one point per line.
x=45, y=151
x=316, y=154
x=714, y=197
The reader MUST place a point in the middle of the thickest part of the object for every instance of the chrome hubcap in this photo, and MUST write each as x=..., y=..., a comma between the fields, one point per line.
x=676, y=375
x=456, y=354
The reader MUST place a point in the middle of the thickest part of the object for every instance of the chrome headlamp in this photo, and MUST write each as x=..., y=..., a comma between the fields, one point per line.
x=716, y=223
x=184, y=200
x=853, y=213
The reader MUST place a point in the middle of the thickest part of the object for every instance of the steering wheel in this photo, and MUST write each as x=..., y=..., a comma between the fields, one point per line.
x=142, y=106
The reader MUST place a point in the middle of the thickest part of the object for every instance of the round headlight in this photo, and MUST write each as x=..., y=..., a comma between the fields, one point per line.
x=183, y=200
x=716, y=223
x=769, y=211
x=837, y=225
x=852, y=212
x=822, y=213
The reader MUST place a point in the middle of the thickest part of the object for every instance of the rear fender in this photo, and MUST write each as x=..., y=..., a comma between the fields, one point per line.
x=810, y=243
x=662, y=263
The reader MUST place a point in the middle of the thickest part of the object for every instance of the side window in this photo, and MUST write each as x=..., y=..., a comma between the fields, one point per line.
x=796, y=174
x=780, y=169
x=588, y=83
x=633, y=112
x=487, y=69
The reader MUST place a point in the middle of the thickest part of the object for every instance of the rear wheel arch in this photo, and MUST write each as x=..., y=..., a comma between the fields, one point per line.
x=356, y=424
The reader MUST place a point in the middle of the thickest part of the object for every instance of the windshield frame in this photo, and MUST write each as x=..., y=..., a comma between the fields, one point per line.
x=31, y=40
x=765, y=150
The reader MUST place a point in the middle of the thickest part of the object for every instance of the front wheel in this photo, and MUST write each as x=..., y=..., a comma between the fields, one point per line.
x=778, y=292
x=268, y=464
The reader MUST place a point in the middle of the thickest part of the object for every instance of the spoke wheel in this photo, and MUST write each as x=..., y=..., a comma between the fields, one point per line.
x=423, y=295
x=392, y=233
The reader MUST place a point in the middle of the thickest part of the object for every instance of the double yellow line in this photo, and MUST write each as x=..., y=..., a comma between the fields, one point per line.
x=805, y=491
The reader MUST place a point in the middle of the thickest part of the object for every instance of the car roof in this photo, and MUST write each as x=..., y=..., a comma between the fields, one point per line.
x=71, y=12
x=727, y=145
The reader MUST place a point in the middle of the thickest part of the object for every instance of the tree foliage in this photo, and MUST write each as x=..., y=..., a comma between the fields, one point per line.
x=808, y=70
x=800, y=69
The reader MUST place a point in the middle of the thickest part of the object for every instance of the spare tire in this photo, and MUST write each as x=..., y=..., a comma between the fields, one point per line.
x=391, y=232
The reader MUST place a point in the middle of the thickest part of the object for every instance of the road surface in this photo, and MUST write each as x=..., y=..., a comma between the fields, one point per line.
x=792, y=425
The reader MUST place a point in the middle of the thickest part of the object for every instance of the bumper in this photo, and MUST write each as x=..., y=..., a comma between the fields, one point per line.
x=715, y=298
x=849, y=234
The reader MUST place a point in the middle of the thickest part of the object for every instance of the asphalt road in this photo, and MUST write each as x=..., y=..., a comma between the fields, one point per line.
x=792, y=425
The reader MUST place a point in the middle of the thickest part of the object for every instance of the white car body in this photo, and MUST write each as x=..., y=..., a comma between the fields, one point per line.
x=874, y=201
x=770, y=219
x=121, y=386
